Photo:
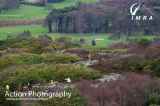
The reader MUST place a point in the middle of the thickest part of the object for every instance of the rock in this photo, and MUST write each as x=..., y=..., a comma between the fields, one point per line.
x=110, y=77
x=87, y=63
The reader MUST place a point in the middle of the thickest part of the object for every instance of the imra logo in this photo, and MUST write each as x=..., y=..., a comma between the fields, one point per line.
x=134, y=9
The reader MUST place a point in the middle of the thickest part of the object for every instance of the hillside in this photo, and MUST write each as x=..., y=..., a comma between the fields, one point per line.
x=25, y=15
x=79, y=53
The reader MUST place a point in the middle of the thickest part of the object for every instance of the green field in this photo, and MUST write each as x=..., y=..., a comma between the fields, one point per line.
x=12, y=31
x=25, y=12
x=68, y=3
x=37, y=12
x=36, y=30
x=102, y=40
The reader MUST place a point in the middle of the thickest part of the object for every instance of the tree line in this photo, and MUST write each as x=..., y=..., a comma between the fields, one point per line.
x=106, y=16
x=9, y=4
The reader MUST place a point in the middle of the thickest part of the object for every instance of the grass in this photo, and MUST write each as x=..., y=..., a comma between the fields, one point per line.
x=37, y=12
x=25, y=12
x=39, y=30
x=68, y=3
x=34, y=29
x=102, y=40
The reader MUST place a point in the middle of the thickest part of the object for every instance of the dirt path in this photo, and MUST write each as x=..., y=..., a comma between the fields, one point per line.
x=5, y=23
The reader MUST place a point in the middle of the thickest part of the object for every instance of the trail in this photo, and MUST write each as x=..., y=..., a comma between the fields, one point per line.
x=6, y=23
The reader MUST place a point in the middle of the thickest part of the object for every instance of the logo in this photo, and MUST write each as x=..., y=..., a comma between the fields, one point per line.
x=134, y=9
x=43, y=93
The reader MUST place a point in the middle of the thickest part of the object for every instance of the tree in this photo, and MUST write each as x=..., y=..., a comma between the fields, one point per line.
x=107, y=16
x=9, y=4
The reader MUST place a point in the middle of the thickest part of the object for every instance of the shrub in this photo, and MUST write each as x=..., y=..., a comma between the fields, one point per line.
x=67, y=42
x=28, y=58
x=132, y=90
x=60, y=58
x=46, y=72
x=131, y=63
x=35, y=45
x=4, y=102
x=154, y=99
x=63, y=39
x=141, y=41
x=15, y=59
x=75, y=100
x=24, y=35
x=82, y=41
x=155, y=67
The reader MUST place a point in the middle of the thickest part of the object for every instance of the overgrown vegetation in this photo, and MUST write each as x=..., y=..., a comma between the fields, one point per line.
x=42, y=73
x=89, y=46
x=133, y=90
x=40, y=60
x=76, y=99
